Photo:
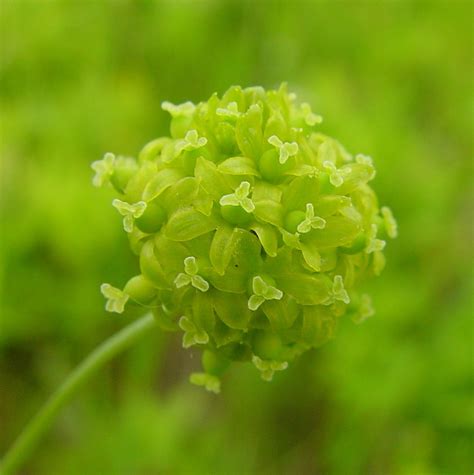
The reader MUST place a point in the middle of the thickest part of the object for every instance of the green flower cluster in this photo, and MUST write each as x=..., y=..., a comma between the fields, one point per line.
x=253, y=230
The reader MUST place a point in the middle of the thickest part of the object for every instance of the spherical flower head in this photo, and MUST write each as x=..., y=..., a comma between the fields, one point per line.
x=253, y=230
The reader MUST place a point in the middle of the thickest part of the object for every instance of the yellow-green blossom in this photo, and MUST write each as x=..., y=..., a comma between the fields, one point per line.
x=252, y=229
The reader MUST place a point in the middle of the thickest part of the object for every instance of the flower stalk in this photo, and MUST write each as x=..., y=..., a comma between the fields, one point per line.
x=26, y=442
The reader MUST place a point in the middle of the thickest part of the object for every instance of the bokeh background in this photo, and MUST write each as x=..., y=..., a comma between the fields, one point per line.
x=392, y=79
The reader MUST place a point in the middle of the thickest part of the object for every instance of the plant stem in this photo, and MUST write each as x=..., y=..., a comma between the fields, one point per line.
x=28, y=439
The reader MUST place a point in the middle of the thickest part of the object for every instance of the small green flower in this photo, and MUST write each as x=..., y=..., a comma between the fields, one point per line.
x=291, y=239
x=286, y=149
x=336, y=175
x=389, y=222
x=116, y=298
x=366, y=309
x=338, y=292
x=311, y=221
x=309, y=116
x=239, y=198
x=378, y=262
x=192, y=335
x=261, y=292
x=104, y=169
x=267, y=368
x=210, y=382
x=186, y=109
x=364, y=159
x=191, y=141
x=367, y=162
x=130, y=212
x=231, y=111
x=190, y=276
x=374, y=244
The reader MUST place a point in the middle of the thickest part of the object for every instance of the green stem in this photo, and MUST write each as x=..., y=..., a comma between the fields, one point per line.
x=32, y=433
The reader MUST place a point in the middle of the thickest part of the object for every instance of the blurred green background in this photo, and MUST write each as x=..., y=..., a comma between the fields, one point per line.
x=392, y=79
